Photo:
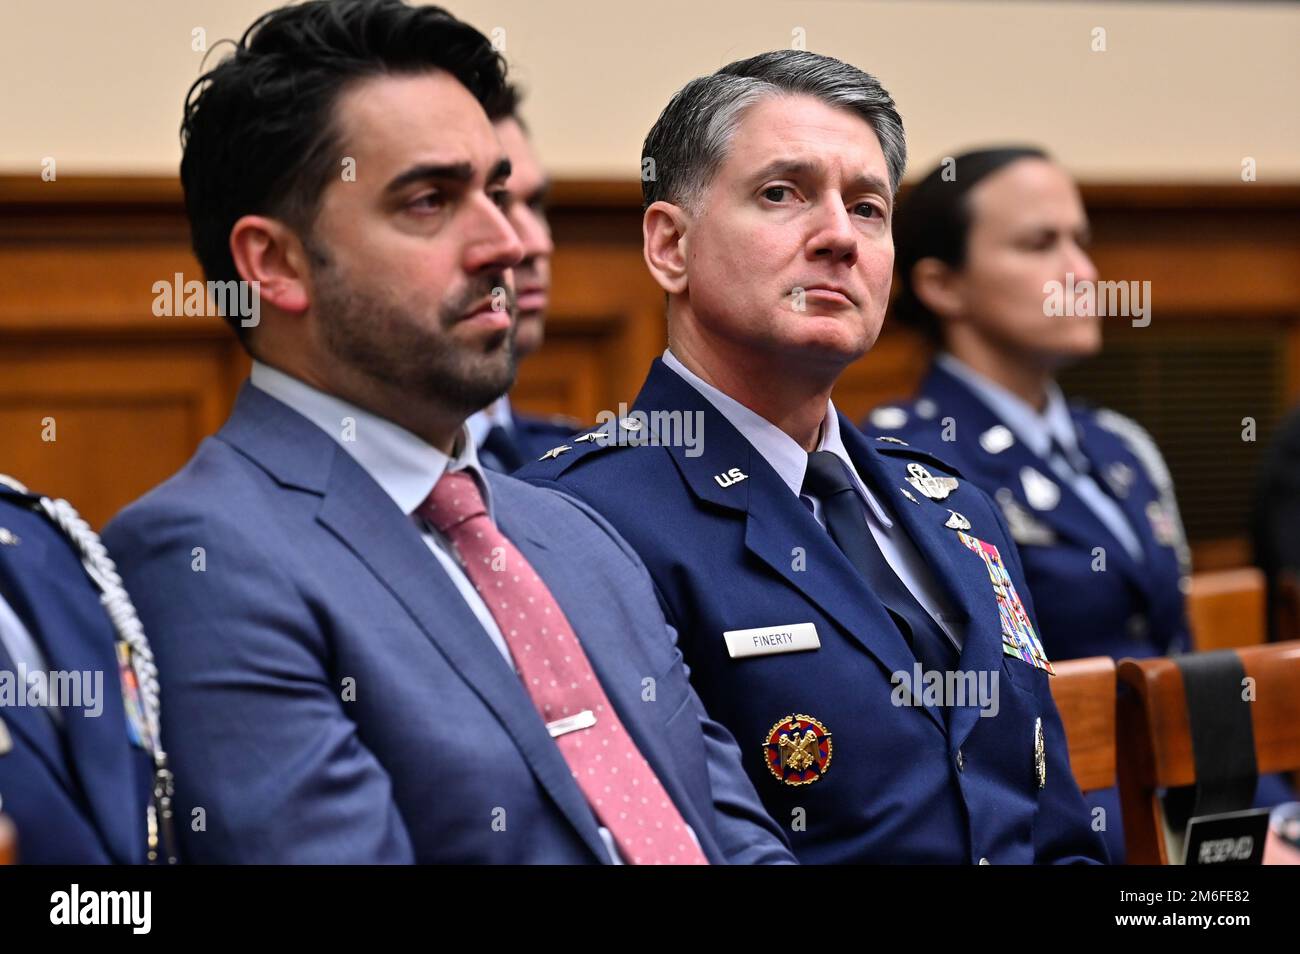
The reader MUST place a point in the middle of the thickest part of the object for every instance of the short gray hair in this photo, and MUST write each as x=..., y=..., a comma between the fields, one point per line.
x=688, y=143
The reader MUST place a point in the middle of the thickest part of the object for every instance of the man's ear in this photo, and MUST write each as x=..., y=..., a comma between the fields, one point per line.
x=937, y=286
x=663, y=229
x=268, y=252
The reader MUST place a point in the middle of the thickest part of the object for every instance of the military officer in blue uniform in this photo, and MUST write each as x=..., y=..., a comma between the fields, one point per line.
x=851, y=608
x=505, y=438
x=81, y=773
x=1085, y=491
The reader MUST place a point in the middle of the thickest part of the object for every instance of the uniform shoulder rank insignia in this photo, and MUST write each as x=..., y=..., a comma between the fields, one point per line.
x=1018, y=636
x=888, y=418
x=798, y=750
x=1040, y=754
x=893, y=440
x=555, y=452
x=936, y=488
x=589, y=436
x=8, y=538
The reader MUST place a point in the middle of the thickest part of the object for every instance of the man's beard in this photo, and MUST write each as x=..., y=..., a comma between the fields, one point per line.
x=388, y=344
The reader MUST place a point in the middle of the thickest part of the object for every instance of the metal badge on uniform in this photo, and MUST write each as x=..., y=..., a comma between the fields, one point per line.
x=1018, y=636
x=908, y=494
x=888, y=418
x=1041, y=492
x=1162, y=525
x=936, y=488
x=733, y=476
x=135, y=724
x=766, y=640
x=8, y=538
x=997, y=439
x=1119, y=477
x=957, y=521
x=798, y=750
x=1040, y=754
x=589, y=436
x=1026, y=529
x=6, y=743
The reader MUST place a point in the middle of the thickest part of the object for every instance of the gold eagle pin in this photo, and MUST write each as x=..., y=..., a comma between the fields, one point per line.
x=798, y=750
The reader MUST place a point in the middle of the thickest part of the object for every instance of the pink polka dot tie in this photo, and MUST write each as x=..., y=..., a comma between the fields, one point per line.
x=620, y=785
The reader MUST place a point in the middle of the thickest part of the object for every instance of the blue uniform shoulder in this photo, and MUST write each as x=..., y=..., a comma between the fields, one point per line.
x=600, y=442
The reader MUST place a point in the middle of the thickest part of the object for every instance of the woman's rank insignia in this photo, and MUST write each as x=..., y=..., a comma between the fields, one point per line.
x=1018, y=636
x=798, y=750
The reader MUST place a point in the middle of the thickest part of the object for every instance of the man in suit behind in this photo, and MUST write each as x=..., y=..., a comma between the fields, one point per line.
x=506, y=438
x=376, y=651
x=839, y=599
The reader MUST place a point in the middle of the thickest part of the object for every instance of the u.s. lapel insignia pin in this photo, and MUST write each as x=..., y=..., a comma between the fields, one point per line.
x=733, y=476
x=1040, y=754
x=798, y=750
x=936, y=488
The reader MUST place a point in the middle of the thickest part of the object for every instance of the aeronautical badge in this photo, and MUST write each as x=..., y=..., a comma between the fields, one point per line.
x=936, y=488
x=1018, y=636
x=798, y=750
x=1040, y=754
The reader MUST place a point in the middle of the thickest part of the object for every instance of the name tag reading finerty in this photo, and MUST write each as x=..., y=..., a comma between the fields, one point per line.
x=583, y=720
x=766, y=640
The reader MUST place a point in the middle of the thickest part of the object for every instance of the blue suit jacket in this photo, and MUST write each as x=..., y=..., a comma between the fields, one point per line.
x=77, y=795
x=751, y=555
x=1134, y=608
x=330, y=697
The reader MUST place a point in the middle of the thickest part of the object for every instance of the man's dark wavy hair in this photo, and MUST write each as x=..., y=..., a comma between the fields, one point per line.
x=259, y=135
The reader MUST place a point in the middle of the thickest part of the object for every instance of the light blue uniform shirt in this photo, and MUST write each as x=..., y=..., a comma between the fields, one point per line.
x=790, y=461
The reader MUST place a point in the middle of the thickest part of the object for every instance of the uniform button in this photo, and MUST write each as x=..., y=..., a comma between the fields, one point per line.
x=985, y=861
x=1137, y=627
x=961, y=761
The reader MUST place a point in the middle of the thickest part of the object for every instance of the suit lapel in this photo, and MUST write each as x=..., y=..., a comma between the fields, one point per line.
x=616, y=658
x=962, y=574
x=364, y=519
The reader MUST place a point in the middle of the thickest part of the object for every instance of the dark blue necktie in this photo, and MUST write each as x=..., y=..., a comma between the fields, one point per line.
x=828, y=481
x=500, y=452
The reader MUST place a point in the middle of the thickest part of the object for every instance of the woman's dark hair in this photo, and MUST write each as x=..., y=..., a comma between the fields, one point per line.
x=259, y=134
x=933, y=220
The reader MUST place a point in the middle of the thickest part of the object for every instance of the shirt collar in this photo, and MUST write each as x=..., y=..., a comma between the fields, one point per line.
x=779, y=449
x=405, y=466
x=1034, y=430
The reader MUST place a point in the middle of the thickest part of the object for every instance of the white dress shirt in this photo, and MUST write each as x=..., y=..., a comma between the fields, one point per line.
x=790, y=461
x=1037, y=431
x=406, y=467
